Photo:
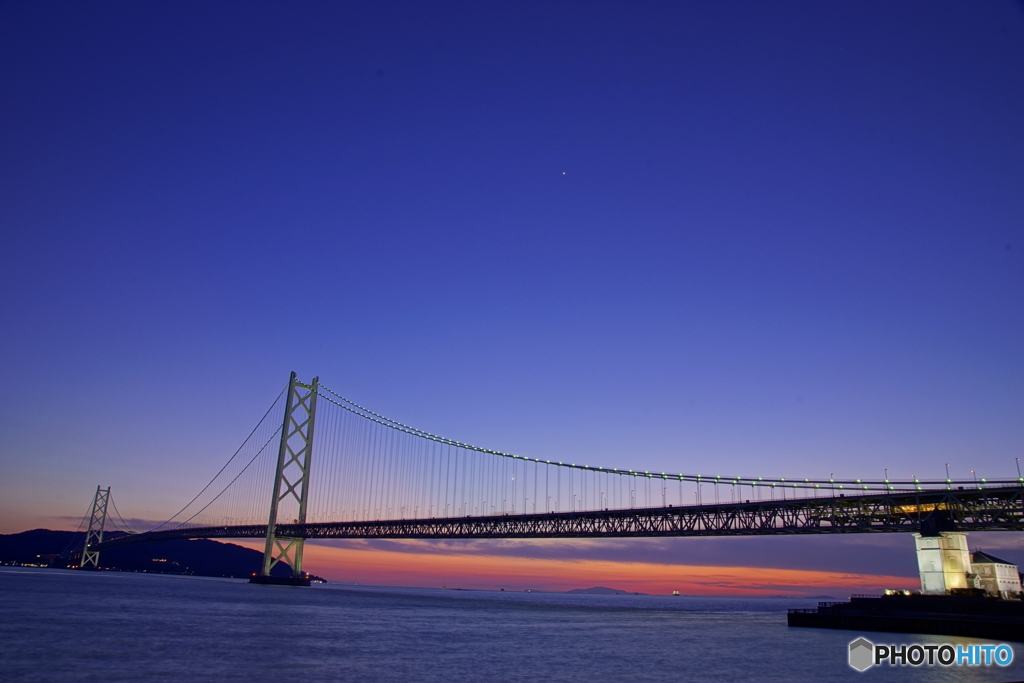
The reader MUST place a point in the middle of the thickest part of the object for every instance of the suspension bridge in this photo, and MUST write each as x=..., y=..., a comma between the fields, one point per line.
x=368, y=476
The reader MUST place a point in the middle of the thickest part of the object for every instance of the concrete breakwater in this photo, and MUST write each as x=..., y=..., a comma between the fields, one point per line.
x=974, y=617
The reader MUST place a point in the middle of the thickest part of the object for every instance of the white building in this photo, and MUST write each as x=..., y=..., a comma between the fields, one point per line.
x=998, y=577
x=943, y=562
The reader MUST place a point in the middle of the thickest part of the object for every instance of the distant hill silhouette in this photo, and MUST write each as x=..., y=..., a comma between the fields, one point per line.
x=195, y=558
x=601, y=590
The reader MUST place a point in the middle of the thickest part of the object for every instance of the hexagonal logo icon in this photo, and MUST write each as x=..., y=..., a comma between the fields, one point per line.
x=862, y=654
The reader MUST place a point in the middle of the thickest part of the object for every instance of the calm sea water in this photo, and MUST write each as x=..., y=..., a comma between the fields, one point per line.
x=58, y=625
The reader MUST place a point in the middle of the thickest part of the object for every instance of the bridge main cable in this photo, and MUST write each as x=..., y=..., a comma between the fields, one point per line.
x=782, y=482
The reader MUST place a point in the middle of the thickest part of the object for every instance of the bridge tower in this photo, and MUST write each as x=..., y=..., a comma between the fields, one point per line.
x=291, y=484
x=94, y=535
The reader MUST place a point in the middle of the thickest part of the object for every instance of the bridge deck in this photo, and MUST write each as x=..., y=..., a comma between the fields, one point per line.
x=981, y=509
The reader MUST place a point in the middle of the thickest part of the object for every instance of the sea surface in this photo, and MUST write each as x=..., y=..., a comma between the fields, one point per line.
x=61, y=625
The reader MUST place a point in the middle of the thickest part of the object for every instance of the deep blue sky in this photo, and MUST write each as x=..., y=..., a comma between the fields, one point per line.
x=729, y=238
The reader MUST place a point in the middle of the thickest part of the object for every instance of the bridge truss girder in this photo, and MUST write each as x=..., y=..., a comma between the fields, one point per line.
x=988, y=509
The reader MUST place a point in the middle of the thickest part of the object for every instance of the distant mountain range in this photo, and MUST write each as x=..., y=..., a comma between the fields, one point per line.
x=42, y=547
x=601, y=590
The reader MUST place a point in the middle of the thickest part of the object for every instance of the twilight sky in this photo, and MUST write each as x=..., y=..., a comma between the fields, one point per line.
x=732, y=238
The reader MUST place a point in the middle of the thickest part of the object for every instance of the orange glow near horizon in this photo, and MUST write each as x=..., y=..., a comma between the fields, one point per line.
x=491, y=572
